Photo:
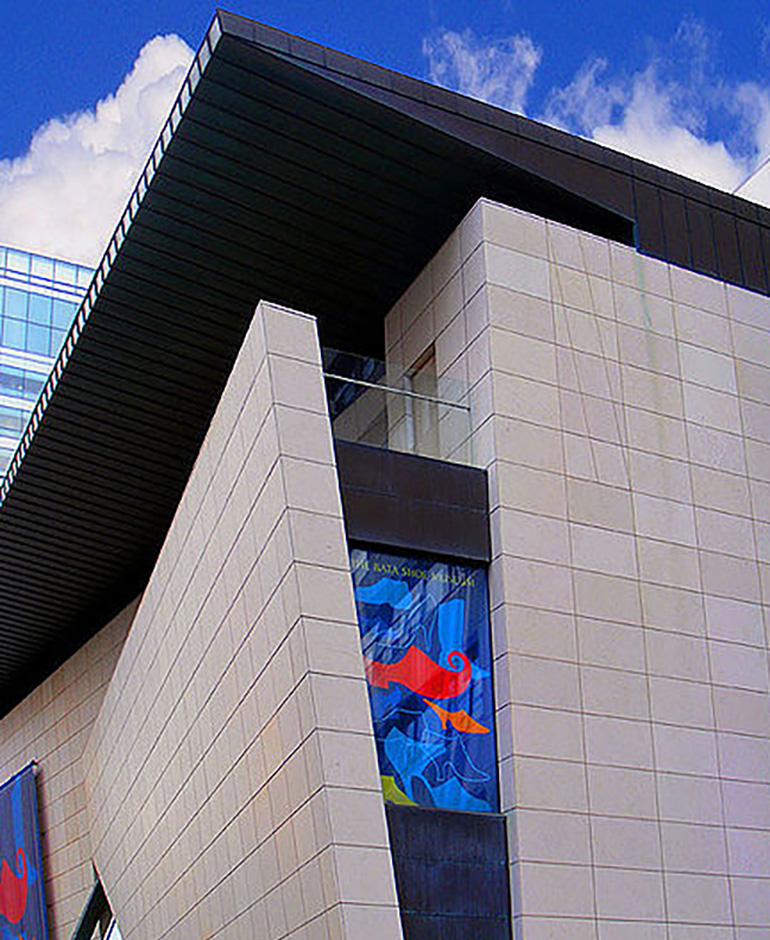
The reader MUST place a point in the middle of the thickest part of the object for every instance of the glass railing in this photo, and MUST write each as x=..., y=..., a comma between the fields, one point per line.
x=372, y=403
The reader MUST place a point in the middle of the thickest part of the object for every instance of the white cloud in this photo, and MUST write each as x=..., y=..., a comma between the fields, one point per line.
x=676, y=111
x=65, y=195
x=499, y=72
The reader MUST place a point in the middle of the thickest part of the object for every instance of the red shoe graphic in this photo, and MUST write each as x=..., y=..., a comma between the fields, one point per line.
x=13, y=889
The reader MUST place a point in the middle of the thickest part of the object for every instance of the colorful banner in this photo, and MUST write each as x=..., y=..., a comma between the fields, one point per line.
x=22, y=905
x=426, y=643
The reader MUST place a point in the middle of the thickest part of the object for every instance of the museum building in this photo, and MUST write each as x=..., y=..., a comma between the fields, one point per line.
x=388, y=552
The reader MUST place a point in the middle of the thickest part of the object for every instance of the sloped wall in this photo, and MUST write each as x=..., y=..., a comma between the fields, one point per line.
x=51, y=726
x=232, y=779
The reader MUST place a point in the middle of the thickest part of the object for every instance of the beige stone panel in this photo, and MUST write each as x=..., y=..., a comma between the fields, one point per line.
x=753, y=380
x=518, y=231
x=585, y=332
x=744, y=758
x=574, y=288
x=534, y=584
x=555, y=928
x=629, y=893
x=747, y=804
x=726, y=533
x=589, y=374
x=669, y=564
x=673, y=609
x=614, y=693
x=727, y=576
x=543, y=836
x=596, y=504
x=544, y=682
x=625, y=843
x=752, y=902
x=529, y=535
x=549, y=784
x=749, y=852
x=633, y=930
x=762, y=532
x=675, y=655
x=685, y=798
x=748, y=307
x=706, y=367
x=554, y=890
x=547, y=733
x=650, y=351
x=664, y=519
x=760, y=500
x=448, y=303
x=676, y=701
x=737, y=666
x=535, y=632
x=520, y=313
x=594, y=254
x=618, y=742
x=698, y=898
x=446, y=262
x=698, y=291
x=644, y=311
x=694, y=848
x=718, y=450
x=451, y=342
x=744, y=711
x=615, y=645
x=517, y=271
x=716, y=409
x=652, y=391
x=528, y=444
x=622, y=791
x=646, y=274
x=473, y=273
x=656, y=433
x=522, y=355
x=756, y=420
x=660, y=476
x=606, y=597
x=602, y=550
x=528, y=489
x=725, y=492
x=750, y=343
x=701, y=328
x=565, y=247
x=527, y=400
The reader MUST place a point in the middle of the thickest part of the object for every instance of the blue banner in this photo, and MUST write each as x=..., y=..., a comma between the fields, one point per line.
x=22, y=905
x=426, y=642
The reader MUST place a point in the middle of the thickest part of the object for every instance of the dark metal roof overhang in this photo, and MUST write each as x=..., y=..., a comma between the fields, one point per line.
x=287, y=172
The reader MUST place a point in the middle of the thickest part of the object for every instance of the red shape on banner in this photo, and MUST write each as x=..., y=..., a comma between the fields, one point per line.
x=13, y=889
x=420, y=674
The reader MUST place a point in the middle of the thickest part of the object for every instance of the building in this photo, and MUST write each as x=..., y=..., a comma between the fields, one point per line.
x=40, y=297
x=207, y=515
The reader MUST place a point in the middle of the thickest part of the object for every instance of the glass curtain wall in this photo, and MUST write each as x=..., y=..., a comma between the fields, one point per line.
x=39, y=297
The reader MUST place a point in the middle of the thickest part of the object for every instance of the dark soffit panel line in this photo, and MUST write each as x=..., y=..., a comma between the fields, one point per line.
x=348, y=161
x=604, y=176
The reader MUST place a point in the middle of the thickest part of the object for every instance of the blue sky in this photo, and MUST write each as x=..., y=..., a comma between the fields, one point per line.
x=685, y=86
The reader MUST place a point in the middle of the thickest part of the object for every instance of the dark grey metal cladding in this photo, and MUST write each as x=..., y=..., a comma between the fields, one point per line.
x=413, y=503
x=451, y=873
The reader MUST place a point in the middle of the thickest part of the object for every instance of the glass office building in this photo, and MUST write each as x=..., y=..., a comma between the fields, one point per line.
x=38, y=300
